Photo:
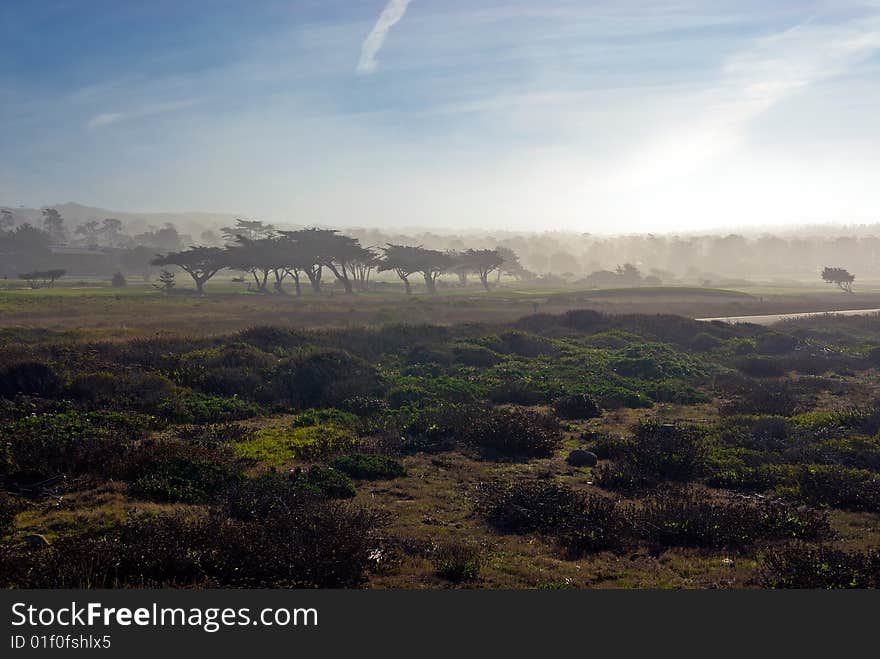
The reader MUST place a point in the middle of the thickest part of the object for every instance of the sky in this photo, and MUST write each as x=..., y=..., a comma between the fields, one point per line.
x=604, y=117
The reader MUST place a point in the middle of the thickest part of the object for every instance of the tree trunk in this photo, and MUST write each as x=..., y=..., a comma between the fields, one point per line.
x=430, y=282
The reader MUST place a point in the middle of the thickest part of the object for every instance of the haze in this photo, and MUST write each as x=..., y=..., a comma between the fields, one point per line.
x=602, y=117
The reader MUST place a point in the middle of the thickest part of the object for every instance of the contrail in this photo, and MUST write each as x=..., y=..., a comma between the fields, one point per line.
x=393, y=12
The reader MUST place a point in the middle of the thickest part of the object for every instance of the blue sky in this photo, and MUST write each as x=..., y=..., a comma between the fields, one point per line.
x=592, y=116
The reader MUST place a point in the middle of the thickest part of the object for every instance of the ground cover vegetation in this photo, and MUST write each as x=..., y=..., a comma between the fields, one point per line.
x=436, y=456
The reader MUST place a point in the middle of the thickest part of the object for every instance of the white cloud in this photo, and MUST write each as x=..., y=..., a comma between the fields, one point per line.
x=104, y=119
x=107, y=118
x=393, y=12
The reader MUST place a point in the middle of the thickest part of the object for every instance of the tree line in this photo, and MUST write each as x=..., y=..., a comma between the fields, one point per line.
x=275, y=258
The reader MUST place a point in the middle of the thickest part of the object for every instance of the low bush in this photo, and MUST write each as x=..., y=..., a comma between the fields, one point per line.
x=322, y=379
x=665, y=451
x=173, y=471
x=279, y=445
x=363, y=466
x=802, y=566
x=214, y=434
x=41, y=447
x=512, y=433
x=761, y=367
x=689, y=518
x=581, y=523
x=468, y=354
x=324, y=483
x=576, y=406
x=456, y=561
x=313, y=544
x=833, y=485
x=30, y=377
x=194, y=407
x=774, y=343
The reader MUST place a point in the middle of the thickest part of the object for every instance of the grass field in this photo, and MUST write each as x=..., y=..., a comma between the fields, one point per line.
x=99, y=310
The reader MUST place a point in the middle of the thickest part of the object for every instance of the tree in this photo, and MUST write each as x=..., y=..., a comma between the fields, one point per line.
x=7, y=219
x=118, y=280
x=111, y=230
x=249, y=230
x=166, y=282
x=431, y=263
x=251, y=256
x=89, y=231
x=840, y=277
x=200, y=263
x=482, y=262
x=510, y=264
x=53, y=223
x=402, y=259
x=41, y=278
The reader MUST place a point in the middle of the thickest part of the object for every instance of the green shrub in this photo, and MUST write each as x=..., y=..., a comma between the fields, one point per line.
x=581, y=523
x=468, y=354
x=371, y=467
x=279, y=445
x=322, y=379
x=833, y=485
x=576, y=406
x=324, y=483
x=195, y=407
x=514, y=433
x=614, y=397
x=30, y=377
x=306, y=543
x=774, y=343
x=71, y=443
x=692, y=519
x=457, y=561
x=801, y=566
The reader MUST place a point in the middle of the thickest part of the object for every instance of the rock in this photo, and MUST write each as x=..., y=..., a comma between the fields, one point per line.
x=579, y=458
x=578, y=406
x=35, y=541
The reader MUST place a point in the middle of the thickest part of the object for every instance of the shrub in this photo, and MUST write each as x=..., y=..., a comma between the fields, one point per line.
x=761, y=367
x=802, y=566
x=704, y=342
x=173, y=471
x=774, y=343
x=576, y=406
x=469, y=354
x=313, y=544
x=364, y=406
x=407, y=396
x=833, y=485
x=519, y=391
x=213, y=435
x=691, y=519
x=580, y=523
x=324, y=483
x=195, y=407
x=34, y=378
x=323, y=379
x=71, y=443
x=514, y=433
x=327, y=416
x=369, y=466
x=665, y=451
x=279, y=445
x=456, y=561
x=614, y=397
